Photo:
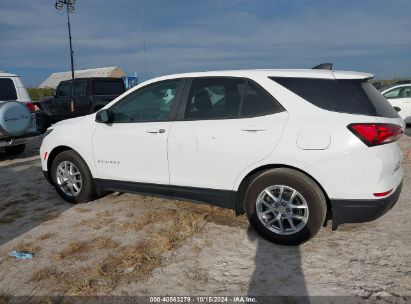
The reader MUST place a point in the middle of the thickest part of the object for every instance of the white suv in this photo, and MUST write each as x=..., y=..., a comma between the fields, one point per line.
x=290, y=148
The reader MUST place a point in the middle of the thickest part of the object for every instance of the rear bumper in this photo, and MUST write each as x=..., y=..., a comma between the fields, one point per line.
x=359, y=211
x=14, y=141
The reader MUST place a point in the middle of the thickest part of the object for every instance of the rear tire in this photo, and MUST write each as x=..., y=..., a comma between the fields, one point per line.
x=72, y=178
x=291, y=212
x=15, y=150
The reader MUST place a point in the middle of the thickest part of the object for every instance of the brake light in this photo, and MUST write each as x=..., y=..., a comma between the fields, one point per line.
x=374, y=134
x=31, y=107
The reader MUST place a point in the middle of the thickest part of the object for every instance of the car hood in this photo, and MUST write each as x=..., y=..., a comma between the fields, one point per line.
x=69, y=121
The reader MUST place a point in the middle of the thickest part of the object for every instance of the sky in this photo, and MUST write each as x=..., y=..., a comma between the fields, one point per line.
x=159, y=37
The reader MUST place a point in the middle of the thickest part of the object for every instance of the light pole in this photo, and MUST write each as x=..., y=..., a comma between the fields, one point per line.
x=69, y=9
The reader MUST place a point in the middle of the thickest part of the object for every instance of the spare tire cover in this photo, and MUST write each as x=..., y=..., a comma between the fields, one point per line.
x=15, y=118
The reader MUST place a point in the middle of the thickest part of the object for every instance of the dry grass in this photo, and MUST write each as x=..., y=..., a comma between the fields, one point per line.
x=168, y=229
x=82, y=210
x=166, y=226
x=74, y=249
x=28, y=247
x=80, y=250
x=47, y=236
x=98, y=222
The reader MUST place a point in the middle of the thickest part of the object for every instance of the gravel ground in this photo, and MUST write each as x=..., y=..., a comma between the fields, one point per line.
x=219, y=255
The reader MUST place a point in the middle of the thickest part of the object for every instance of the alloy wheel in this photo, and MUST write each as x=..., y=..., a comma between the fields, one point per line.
x=282, y=209
x=69, y=178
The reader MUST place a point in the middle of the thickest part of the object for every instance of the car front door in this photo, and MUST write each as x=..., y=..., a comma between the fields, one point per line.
x=62, y=99
x=133, y=148
x=401, y=97
x=227, y=125
x=71, y=101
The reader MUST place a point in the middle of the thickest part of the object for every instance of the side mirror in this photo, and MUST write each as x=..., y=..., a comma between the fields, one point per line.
x=104, y=116
x=397, y=109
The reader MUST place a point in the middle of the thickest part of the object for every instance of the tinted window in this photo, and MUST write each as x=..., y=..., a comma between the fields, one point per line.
x=214, y=98
x=151, y=103
x=258, y=102
x=7, y=89
x=64, y=89
x=347, y=96
x=405, y=92
x=107, y=87
x=79, y=88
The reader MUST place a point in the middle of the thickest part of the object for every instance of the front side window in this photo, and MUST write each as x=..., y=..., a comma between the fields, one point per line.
x=151, y=103
x=222, y=97
x=64, y=90
x=392, y=94
x=7, y=89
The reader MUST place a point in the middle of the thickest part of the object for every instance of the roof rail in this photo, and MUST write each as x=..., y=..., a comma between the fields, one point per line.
x=323, y=66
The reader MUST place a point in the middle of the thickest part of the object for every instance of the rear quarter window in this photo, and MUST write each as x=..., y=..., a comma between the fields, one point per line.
x=342, y=95
x=7, y=89
x=106, y=87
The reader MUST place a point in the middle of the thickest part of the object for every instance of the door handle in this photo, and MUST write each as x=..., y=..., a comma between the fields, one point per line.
x=156, y=130
x=254, y=128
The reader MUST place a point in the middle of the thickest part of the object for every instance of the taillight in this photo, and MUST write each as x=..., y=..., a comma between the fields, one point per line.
x=381, y=194
x=30, y=106
x=374, y=134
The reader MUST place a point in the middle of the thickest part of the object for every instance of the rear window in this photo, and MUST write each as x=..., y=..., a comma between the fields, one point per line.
x=342, y=95
x=7, y=89
x=106, y=87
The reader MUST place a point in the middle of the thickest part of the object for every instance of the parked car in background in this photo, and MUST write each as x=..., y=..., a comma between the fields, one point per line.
x=290, y=148
x=17, y=118
x=403, y=81
x=399, y=96
x=77, y=98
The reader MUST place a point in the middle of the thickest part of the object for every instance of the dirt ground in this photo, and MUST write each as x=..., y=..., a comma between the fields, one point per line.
x=136, y=245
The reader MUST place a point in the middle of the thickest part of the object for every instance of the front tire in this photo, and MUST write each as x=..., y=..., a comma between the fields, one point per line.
x=285, y=206
x=72, y=178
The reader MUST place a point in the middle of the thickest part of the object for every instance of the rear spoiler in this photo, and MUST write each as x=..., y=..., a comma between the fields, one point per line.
x=323, y=66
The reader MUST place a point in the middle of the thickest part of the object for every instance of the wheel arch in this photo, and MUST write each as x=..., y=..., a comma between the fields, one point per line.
x=239, y=204
x=56, y=151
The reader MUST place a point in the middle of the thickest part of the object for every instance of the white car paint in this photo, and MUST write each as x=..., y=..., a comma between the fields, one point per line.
x=400, y=96
x=219, y=154
x=22, y=96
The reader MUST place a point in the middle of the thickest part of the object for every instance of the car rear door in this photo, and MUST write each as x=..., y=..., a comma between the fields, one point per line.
x=71, y=101
x=224, y=126
x=133, y=148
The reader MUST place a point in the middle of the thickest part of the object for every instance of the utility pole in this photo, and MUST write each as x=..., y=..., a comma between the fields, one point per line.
x=69, y=9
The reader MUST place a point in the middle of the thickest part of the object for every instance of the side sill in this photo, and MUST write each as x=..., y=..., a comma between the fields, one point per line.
x=217, y=197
